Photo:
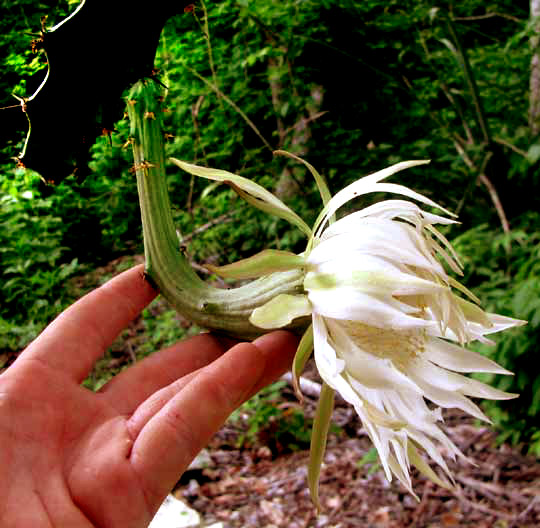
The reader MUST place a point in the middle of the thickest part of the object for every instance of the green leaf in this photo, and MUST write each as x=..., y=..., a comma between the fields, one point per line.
x=372, y=458
x=321, y=182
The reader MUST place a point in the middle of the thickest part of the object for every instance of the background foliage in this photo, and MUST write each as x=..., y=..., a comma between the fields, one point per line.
x=352, y=87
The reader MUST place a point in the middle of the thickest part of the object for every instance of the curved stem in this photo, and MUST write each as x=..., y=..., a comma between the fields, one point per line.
x=224, y=310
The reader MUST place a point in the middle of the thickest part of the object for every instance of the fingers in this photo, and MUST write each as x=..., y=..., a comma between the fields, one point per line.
x=130, y=388
x=171, y=438
x=278, y=348
x=79, y=336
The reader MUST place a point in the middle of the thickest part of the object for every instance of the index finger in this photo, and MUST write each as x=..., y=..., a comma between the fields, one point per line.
x=78, y=337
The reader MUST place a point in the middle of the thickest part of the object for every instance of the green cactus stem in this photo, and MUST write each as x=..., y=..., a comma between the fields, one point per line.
x=92, y=57
x=223, y=310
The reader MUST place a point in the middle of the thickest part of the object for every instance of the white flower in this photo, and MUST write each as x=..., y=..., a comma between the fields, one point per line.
x=389, y=324
x=388, y=330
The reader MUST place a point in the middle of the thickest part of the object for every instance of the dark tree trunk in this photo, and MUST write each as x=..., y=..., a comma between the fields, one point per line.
x=93, y=56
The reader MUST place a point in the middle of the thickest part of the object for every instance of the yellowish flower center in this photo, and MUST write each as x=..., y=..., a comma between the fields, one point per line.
x=401, y=347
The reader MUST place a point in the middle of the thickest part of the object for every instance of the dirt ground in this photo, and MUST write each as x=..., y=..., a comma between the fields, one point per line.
x=259, y=487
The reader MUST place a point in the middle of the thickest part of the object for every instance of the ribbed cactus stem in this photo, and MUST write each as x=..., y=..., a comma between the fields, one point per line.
x=224, y=310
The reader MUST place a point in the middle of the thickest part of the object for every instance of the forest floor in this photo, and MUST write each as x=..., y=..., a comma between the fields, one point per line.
x=259, y=479
x=260, y=487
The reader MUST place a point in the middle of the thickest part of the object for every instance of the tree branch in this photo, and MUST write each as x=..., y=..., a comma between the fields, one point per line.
x=494, y=195
x=93, y=55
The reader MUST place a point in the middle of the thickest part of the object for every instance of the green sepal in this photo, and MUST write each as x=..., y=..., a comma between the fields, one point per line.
x=280, y=311
x=424, y=468
x=270, y=208
x=458, y=286
x=252, y=192
x=319, y=435
x=263, y=263
x=473, y=313
x=303, y=352
x=319, y=179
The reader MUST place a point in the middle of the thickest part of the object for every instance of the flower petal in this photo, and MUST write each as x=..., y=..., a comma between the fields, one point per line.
x=319, y=434
x=453, y=382
x=394, y=241
x=330, y=367
x=424, y=468
x=361, y=187
x=279, y=210
x=375, y=282
x=459, y=359
x=319, y=180
x=345, y=303
x=403, y=476
x=501, y=322
x=402, y=209
x=448, y=399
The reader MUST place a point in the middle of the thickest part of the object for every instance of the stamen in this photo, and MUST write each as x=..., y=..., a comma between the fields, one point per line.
x=401, y=347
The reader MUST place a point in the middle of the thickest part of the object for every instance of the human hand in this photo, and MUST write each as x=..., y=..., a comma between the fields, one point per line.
x=73, y=458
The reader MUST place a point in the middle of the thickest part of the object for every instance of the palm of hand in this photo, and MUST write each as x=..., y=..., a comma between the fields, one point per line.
x=74, y=458
x=87, y=477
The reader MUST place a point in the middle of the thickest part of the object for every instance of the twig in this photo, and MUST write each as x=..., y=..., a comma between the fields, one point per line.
x=522, y=515
x=131, y=353
x=202, y=269
x=205, y=30
x=198, y=143
x=494, y=195
x=231, y=103
x=505, y=143
x=471, y=81
x=458, y=144
x=488, y=15
x=484, y=509
x=445, y=90
x=275, y=90
x=195, y=109
x=486, y=489
x=534, y=79
x=306, y=120
x=418, y=512
x=221, y=219
x=490, y=187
